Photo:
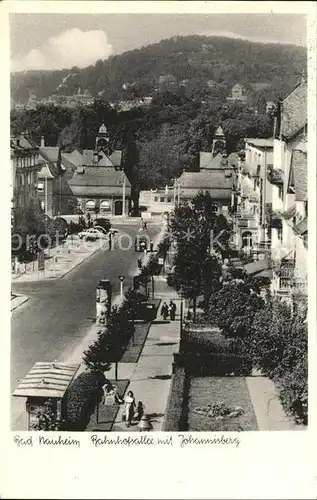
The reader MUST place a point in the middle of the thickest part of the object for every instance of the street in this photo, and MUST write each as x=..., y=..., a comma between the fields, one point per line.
x=59, y=313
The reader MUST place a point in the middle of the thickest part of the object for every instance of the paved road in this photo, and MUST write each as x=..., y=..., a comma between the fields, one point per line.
x=58, y=313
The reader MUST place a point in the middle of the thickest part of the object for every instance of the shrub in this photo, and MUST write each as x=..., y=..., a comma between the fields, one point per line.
x=294, y=392
x=111, y=342
x=176, y=415
x=81, y=398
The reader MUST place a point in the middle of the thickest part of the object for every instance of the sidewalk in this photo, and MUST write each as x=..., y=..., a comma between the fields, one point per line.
x=17, y=301
x=60, y=260
x=150, y=378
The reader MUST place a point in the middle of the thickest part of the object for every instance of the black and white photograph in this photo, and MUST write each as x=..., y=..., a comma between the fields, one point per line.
x=159, y=224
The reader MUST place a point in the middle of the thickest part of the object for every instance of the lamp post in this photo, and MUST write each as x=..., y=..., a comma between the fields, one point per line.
x=181, y=316
x=121, y=278
x=152, y=287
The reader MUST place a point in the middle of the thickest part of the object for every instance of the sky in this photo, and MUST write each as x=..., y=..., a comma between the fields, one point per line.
x=57, y=41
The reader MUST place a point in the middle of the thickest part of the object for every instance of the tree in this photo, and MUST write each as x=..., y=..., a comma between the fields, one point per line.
x=46, y=420
x=233, y=308
x=111, y=342
x=196, y=271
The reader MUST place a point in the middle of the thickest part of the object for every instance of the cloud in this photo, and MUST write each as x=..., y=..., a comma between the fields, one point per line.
x=70, y=48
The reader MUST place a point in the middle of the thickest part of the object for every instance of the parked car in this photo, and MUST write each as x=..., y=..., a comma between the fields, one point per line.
x=91, y=234
x=104, y=223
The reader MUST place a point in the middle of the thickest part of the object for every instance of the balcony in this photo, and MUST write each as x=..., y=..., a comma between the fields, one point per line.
x=275, y=176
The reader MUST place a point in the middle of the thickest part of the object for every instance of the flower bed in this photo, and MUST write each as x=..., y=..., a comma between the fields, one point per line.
x=220, y=404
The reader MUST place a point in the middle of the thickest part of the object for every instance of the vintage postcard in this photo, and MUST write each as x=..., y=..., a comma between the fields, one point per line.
x=160, y=159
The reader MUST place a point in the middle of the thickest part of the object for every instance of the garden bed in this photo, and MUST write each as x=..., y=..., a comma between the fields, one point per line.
x=233, y=392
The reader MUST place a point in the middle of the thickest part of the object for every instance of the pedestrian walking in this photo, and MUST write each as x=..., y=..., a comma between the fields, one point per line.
x=139, y=412
x=164, y=311
x=110, y=241
x=172, y=310
x=129, y=408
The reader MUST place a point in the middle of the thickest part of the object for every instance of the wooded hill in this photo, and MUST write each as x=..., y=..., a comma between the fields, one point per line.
x=197, y=59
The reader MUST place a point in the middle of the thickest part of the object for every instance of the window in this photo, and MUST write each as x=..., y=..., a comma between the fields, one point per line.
x=156, y=199
x=280, y=233
x=169, y=199
x=105, y=206
x=90, y=205
x=162, y=199
x=280, y=192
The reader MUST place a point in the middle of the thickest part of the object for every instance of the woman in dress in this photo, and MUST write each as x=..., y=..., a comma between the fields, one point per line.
x=129, y=408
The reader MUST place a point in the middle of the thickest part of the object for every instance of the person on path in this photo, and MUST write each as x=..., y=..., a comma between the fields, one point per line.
x=110, y=241
x=172, y=308
x=139, y=412
x=164, y=311
x=129, y=408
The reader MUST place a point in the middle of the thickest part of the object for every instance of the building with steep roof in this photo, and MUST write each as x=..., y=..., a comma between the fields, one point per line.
x=290, y=158
x=24, y=157
x=237, y=94
x=99, y=183
x=215, y=176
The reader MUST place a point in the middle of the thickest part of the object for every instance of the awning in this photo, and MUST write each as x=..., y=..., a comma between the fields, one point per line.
x=254, y=268
x=301, y=227
x=47, y=380
x=289, y=213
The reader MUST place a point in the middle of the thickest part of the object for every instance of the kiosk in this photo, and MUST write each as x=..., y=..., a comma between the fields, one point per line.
x=103, y=301
x=45, y=381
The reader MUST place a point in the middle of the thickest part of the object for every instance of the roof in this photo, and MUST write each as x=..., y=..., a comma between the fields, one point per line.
x=215, y=193
x=257, y=266
x=48, y=380
x=50, y=153
x=289, y=213
x=99, y=191
x=293, y=111
x=209, y=162
x=45, y=172
x=103, y=129
x=219, y=131
x=99, y=181
x=299, y=167
x=205, y=180
x=259, y=142
x=23, y=144
x=114, y=159
x=301, y=228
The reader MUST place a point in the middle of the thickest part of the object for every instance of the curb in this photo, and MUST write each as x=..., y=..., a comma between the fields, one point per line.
x=78, y=264
x=19, y=300
x=66, y=272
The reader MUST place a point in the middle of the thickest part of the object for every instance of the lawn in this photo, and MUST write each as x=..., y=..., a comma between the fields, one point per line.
x=232, y=391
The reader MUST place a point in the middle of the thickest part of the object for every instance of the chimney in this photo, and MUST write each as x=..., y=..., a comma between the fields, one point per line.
x=42, y=141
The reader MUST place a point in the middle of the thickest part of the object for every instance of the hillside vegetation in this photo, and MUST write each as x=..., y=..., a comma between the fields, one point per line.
x=161, y=140
x=197, y=58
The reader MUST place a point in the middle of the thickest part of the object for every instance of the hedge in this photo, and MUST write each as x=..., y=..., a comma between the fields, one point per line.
x=81, y=398
x=177, y=405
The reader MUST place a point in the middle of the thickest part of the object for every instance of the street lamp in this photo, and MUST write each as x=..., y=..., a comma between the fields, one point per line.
x=181, y=293
x=121, y=278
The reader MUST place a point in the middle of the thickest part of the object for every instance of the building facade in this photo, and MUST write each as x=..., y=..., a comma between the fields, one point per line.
x=99, y=184
x=290, y=208
x=215, y=176
x=24, y=177
x=159, y=201
x=237, y=94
